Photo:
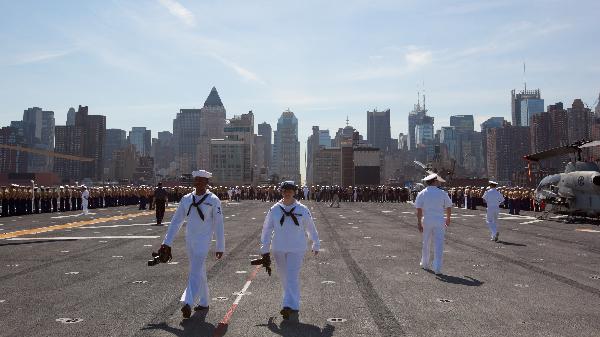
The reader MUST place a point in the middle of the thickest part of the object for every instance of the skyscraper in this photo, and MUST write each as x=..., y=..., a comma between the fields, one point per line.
x=378, y=129
x=492, y=122
x=86, y=138
x=163, y=151
x=115, y=140
x=186, y=136
x=515, y=103
x=418, y=117
x=212, y=122
x=579, y=121
x=141, y=138
x=231, y=158
x=462, y=123
x=597, y=110
x=506, y=147
x=529, y=108
x=12, y=161
x=71, y=116
x=39, y=133
x=265, y=130
x=286, y=148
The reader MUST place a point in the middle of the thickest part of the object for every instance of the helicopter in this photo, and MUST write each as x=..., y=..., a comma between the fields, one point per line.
x=576, y=192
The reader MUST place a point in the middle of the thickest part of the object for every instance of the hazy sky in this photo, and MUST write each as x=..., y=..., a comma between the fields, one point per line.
x=139, y=62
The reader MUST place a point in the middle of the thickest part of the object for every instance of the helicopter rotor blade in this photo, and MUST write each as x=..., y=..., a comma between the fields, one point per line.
x=590, y=144
x=550, y=153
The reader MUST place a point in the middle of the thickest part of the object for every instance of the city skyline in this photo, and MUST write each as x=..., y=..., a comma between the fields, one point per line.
x=117, y=65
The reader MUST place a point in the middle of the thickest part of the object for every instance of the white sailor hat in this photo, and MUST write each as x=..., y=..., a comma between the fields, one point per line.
x=202, y=174
x=288, y=184
x=434, y=176
x=491, y=182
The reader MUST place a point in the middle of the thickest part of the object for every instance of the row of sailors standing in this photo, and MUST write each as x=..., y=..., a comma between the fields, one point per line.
x=515, y=198
x=18, y=200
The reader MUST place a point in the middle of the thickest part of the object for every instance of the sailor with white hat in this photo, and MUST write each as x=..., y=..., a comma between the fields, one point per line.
x=85, y=196
x=202, y=209
x=432, y=203
x=493, y=198
x=284, y=233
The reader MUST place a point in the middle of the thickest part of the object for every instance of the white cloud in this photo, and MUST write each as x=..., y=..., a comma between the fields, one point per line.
x=417, y=58
x=41, y=56
x=414, y=58
x=179, y=11
x=243, y=72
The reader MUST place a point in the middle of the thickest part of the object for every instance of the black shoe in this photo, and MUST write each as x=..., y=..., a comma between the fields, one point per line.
x=285, y=312
x=186, y=311
x=200, y=308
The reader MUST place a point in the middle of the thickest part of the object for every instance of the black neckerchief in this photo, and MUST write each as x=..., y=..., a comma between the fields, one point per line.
x=197, y=205
x=290, y=214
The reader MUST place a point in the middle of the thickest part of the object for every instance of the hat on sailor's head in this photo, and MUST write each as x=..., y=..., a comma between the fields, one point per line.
x=287, y=185
x=492, y=182
x=434, y=176
x=202, y=174
x=84, y=187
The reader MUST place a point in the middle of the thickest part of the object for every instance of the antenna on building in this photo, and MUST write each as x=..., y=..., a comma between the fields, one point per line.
x=424, y=95
x=347, y=121
x=524, y=77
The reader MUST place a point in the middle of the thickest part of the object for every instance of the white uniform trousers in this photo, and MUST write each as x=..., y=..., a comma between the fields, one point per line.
x=197, y=288
x=491, y=219
x=84, y=205
x=436, y=234
x=288, y=266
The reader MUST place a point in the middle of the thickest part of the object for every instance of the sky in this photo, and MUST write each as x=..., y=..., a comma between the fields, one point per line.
x=139, y=62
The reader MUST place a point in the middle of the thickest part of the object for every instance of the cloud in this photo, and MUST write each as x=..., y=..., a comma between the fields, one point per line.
x=417, y=58
x=41, y=56
x=179, y=11
x=414, y=58
x=241, y=71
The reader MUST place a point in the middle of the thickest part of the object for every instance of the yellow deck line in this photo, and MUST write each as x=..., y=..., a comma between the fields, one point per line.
x=72, y=225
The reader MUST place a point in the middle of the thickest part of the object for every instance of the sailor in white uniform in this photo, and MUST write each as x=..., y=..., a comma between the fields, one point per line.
x=85, y=196
x=284, y=234
x=432, y=204
x=202, y=209
x=493, y=198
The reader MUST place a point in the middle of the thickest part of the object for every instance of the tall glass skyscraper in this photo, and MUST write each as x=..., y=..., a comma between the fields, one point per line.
x=529, y=108
x=286, y=148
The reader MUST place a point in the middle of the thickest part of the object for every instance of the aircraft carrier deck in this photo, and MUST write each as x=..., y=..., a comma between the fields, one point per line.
x=74, y=275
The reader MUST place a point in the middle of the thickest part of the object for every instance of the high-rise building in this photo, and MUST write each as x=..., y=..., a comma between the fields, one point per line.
x=230, y=161
x=12, y=161
x=492, y=122
x=529, y=108
x=231, y=158
x=506, y=147
x=69, y=140
x=141, y=138
x=324, y=138
x=71, y=117
x=418, y=117
x=186, y=137
x=597, y=110
x=367, y=166
x=212, y=123
x=515, y=103
x=327, y=170
x=286, y=148
x=163, y=151
x=462, y=123
x=116, y=139
x=265, y=130
x=39, y=134
x=449, y=139
x=402, y=142
x=580, y=120
x=423, y=133
x=378, y=129
x=124, y=163
x=85, y=138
